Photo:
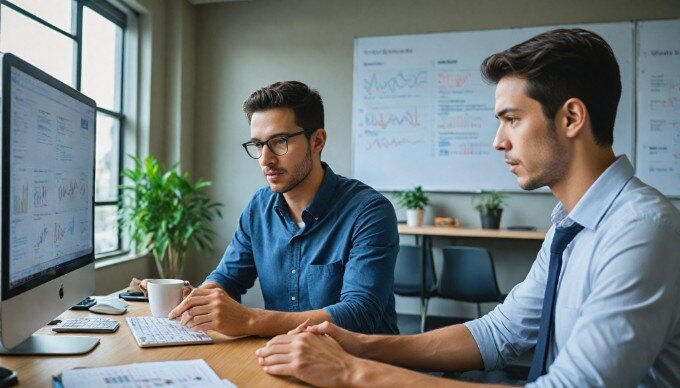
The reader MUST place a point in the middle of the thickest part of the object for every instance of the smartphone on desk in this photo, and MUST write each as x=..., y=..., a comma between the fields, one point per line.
x=133, y=296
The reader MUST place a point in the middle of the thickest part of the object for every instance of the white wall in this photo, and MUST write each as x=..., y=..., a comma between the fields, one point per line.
x=243, y=46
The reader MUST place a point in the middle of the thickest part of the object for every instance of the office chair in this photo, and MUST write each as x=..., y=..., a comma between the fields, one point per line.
x=468, y=275
x=407, y=277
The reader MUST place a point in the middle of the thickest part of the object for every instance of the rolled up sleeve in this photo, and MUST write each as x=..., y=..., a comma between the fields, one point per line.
x=236, y=272
x=512, y=327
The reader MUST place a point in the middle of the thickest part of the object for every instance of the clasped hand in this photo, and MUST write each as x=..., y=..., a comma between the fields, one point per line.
x=319, y=354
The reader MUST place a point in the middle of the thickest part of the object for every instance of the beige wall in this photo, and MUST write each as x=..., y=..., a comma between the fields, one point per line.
x=241, y=46
x=117, y=276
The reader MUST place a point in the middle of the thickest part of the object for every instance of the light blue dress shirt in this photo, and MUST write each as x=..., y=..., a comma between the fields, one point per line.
x=617, y=311
x=341, y=261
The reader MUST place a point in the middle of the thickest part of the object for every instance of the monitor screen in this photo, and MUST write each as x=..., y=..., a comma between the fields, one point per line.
x=48, y=174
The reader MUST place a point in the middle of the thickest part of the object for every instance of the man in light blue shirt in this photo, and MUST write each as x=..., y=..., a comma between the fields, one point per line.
x=616, y=313
x=600, y=303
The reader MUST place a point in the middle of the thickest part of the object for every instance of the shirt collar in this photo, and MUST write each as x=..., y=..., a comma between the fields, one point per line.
x=321, y=198
x=324, y=194
x=594, y=204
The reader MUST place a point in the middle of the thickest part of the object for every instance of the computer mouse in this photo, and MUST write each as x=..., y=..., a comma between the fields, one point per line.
x=109, y=306
x=7, y=377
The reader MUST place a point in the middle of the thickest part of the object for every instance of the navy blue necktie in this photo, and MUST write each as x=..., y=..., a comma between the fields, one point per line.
x=562, y=238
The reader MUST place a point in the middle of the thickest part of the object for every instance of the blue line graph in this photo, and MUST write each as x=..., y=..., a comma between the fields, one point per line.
x=390, y=84
x=40, y=196
x=42, y=237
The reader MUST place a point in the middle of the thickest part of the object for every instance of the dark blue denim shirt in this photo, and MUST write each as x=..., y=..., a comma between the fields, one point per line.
x=342, y=260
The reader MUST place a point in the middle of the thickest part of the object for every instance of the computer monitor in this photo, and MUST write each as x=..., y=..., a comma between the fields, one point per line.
x=47, y=208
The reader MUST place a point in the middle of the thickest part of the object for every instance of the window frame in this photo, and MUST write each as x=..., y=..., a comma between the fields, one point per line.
x=120, y=18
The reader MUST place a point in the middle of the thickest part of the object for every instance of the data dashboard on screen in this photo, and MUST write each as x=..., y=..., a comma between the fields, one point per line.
x=50, y=185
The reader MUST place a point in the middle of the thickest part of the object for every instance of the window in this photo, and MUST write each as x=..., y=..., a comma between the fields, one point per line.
x=80, y=42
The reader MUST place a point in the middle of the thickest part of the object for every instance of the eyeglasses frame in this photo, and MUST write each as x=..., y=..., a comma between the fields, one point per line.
x=266, y=142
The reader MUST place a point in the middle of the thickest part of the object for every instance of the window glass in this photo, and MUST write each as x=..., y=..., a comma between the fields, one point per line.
x=56, y=12
x=107, y=158
x=101, y=60
x=105, y=229
x=37, y=44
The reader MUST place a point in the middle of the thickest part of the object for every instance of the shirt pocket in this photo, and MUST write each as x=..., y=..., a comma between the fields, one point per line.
x=324, y=283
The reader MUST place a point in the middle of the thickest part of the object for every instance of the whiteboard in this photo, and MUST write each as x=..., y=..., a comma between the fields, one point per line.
x=422, y=114
x=658, y=96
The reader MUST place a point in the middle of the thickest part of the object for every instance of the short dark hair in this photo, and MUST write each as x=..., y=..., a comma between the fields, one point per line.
x=562, y=64
x=306, y=103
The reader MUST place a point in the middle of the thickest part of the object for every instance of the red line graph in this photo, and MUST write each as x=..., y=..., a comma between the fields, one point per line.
x=384, y=119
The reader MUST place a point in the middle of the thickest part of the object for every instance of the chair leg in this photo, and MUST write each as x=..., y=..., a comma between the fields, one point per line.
x=479, y=310
x=423, y=313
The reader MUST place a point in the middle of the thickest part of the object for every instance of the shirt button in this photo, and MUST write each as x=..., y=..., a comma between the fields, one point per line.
x=292, y=298
x=293, y=271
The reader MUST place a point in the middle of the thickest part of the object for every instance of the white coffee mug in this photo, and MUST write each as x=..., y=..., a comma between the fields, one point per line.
x=164, y=295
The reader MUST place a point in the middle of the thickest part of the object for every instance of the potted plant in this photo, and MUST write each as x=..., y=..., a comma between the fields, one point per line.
x=490, y=208
x=164, y=212
x=413, y=201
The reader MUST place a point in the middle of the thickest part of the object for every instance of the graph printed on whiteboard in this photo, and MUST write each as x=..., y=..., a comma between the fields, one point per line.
x=405, y=83
x=658, y=85
x=423, y=114
x=390, y=116
x=390, y=142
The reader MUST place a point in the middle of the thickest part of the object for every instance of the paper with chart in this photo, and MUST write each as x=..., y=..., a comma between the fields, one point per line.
x=423, y=115
x=190, y=373
x=658, y=91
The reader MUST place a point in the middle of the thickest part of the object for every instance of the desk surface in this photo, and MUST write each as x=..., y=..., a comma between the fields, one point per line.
x=466, y=232
x=230, y=358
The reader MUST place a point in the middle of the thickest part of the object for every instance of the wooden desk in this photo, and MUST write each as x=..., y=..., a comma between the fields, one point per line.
x=230, y=358
x=427, y=232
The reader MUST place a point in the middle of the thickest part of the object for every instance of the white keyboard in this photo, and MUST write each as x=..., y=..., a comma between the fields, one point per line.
x=87, y=325
x=150, y=332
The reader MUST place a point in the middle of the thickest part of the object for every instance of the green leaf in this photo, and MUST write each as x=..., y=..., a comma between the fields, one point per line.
x=491, y=201
x=412, y=199
x=162, y=208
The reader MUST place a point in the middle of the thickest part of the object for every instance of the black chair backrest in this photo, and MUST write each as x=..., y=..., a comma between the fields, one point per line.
x=468, y=275
x=407, y=271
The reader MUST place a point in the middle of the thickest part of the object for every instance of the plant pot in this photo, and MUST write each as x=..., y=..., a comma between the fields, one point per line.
x=414, y=217
x=491, y=219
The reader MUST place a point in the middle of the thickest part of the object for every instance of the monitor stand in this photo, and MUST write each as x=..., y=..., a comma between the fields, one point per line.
x=52, y=345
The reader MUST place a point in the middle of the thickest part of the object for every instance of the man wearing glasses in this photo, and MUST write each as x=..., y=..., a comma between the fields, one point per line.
x=323, y=246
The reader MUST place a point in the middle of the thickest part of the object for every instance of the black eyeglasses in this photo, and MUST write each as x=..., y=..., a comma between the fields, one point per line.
x=277, y=144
